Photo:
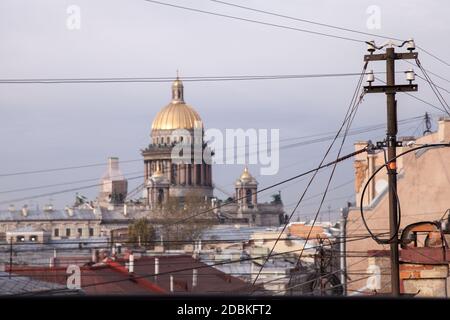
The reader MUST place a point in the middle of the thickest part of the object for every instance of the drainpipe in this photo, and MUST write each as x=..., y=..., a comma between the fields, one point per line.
x=194, y=278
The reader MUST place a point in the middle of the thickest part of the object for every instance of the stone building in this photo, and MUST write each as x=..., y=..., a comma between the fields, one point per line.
x=177, y=127
x=177, y=163
x=30, y=225
x=423, y=190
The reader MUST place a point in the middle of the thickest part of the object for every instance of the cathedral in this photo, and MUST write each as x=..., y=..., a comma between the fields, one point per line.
x=167, y=174
x=177, y=164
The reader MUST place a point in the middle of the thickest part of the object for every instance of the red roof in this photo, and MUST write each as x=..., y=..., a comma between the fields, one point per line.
x=181, y=267
x=113, y=278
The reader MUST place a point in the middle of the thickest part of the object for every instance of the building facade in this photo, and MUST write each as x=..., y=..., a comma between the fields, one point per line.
x=423, y=191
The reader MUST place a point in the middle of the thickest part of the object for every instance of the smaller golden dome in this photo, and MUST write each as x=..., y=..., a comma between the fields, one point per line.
x=246, y=175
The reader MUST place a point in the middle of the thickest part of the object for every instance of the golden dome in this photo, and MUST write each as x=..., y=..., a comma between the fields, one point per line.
x=177, y=114
x=245, y=176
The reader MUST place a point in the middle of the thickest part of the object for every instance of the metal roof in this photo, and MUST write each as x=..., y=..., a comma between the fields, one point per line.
x=39, y=215
x=21, y=285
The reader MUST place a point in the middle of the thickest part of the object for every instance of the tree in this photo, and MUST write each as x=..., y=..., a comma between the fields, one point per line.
x=141, y=231
x=183, y=220
x=276, y=198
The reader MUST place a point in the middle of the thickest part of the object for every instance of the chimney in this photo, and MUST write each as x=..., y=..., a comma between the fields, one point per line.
x=444, y=129
x=97, y=210
x=69, y=211
x=194, y=278
x=131, y=263
x=25, y=210
x=113, y=165
x=125, y=209
x=94, y=256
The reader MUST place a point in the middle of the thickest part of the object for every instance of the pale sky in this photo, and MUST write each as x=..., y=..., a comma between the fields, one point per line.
x=57, y=125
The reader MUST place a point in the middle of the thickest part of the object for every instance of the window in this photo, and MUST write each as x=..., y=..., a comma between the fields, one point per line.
x=80, y=231
x=91, y=232
x=68, y=232
x=56, y=232
x=20, y=238
x=33, y=238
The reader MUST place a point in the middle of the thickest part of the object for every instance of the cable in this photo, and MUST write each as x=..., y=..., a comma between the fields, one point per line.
x=424, y=79
x=62, y=191
x=419, y=99
x=346, y=118
x=358, y=130
x=329, y=26
x=378, y=170
x=434, y=56
x=60, y=184
x=61, y=169
x=434, y=88
x=170, y=79
x=357, y=102
x=305, y=20
x=183, y=269
x=254, y=21
x=374, y=237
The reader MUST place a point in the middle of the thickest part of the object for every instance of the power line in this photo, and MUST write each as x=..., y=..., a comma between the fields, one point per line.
x=434, y=56
x=328, y=26
x=434, y=87
x=170, y=79
x=61, y=168
x=254, y=21
x=305, y=20
x=419, y=99
x=357, y=102
x=347, y=117
x=62, y=191
x=184, y=269
x=59, y=184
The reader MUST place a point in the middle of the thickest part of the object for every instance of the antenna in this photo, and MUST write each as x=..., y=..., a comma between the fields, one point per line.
x=427, y=120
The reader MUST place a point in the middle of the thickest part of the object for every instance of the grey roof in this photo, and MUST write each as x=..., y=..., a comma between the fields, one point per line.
x=36, y=215
x=117, y=214
x=27, y=229
x=25, y=285
x=230, y=232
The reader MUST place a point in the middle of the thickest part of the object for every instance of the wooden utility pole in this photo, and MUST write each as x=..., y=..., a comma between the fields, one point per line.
x=390, y=89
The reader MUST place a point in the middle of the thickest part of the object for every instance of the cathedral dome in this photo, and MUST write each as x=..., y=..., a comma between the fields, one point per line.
x=177, y=114
x=246, y=178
